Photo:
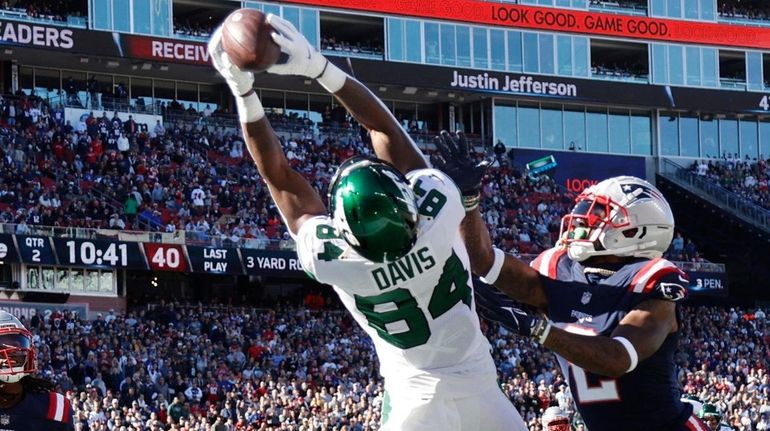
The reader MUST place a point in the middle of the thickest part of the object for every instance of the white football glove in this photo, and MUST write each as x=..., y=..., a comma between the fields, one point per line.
x=303, y=60
x=240, y=82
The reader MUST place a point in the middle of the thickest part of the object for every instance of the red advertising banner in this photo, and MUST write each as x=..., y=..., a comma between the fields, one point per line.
x=165, y=50
x=166, y=257
x=562, y=20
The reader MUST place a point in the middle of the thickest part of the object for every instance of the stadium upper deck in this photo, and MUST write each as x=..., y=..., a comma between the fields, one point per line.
x=663, y=77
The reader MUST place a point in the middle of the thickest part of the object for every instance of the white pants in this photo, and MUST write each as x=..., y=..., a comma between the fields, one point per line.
x=489, y=410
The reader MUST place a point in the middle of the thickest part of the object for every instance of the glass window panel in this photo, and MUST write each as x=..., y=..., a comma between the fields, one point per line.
x=514, y=51
x=413, y=41
x=106, y=282
x=448, y=44
x=530, y=53
x=47, y=83
x=552, y=129
x=674, y=8
x=529, y=127
x=62, y=279
x=76, y=280
x=709, y=138
x=33, y=278
x=710, y=67
x=691, y=9
x=579, y=4
x=309, y=28
x=395, y=39
x=209, y=97
x=574, y=129
x=142, y=19
x=497, y=48
x=48, y=278
x=764, y=139
x=620, y=133
x=273, y=99
x=546, y=53
x=675, y=67
x=564, y=47
x=754, y=79
x=101, y=14
x=728, y=137
x=658, y=7
x=749, y=139
x=641, y=135
x=505, y=125
x=92, y=281
x=431, y=43
x=463, y=41
x=272, y=8
x=165, y=91
x=669, y=134
x=707, y=9
x=480, y=50
x=74, y=85
x=596, y=128
x=187, y=95
x=659, y=62
x=689, y=136
x=580, y=46
x=161, y=23
x=563, y=3
x=290, y=14
x=546, y=2
x=121, y=15
x=693, y=65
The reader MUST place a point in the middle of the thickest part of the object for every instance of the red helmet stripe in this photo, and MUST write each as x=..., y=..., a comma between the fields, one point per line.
x=51, y=405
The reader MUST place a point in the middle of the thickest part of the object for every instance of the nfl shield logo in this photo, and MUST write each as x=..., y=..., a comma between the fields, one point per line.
x=586, y=298
x=5, y=419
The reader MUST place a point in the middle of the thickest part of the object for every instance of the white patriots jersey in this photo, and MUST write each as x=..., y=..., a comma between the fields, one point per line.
x=419, y=310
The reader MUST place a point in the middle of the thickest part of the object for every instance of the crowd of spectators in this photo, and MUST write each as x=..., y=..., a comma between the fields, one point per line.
x=747, y=9
x=172, y=367
x=367, y=47
x=57, y=10
x=195, y=29
x=625, y=70
x=108, y=172
x=747, y=178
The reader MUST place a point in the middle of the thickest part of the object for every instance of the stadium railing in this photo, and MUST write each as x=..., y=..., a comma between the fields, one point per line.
x=715, y=193
x=618, y=7
x=178, y=237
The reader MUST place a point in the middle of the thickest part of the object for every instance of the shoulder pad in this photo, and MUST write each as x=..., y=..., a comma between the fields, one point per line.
x=548, y=261
x=661, y=279
x=59, y=409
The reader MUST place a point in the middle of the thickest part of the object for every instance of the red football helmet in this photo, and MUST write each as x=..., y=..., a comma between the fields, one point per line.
x=17, y=352
x=554, y=419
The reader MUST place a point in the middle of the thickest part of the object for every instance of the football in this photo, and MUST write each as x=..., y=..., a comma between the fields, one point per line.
x=246, y=39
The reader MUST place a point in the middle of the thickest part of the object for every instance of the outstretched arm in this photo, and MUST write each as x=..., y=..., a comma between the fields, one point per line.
x=645, y=328
x=295, y=198
x=507, y=273
x=390, y=141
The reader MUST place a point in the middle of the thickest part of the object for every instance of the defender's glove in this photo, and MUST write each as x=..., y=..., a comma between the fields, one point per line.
x=456, y=162
x=239, y=81
x=303, y=58
x=498, y=307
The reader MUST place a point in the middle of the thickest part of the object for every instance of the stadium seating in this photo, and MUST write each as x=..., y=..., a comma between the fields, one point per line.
x=310, y=367
x=747, y=178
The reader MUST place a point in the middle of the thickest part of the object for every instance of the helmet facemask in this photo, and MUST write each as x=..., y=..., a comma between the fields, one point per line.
x=17, y=355
x=581, y=230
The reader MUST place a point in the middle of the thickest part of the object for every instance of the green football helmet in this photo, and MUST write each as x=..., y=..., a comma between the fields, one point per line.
x=373, y=208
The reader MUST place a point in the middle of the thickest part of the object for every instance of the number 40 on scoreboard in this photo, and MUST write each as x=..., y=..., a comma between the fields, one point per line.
x=166, y=257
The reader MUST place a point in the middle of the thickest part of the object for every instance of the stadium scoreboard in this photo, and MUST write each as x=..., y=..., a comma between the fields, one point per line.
x=146, y=256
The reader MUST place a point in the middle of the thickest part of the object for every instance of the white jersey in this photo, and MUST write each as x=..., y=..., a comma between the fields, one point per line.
x=419, y=310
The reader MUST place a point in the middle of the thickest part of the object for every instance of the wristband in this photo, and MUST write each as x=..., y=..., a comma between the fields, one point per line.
x=249, y=108
x=470, y=203
x=332, y=78
x=631, y=352
x=541, y=330
x=497, y=266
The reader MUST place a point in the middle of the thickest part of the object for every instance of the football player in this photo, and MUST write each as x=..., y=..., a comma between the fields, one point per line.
x=26, y=402
x=611, y=301
x=391, y=248
x=713, y=418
